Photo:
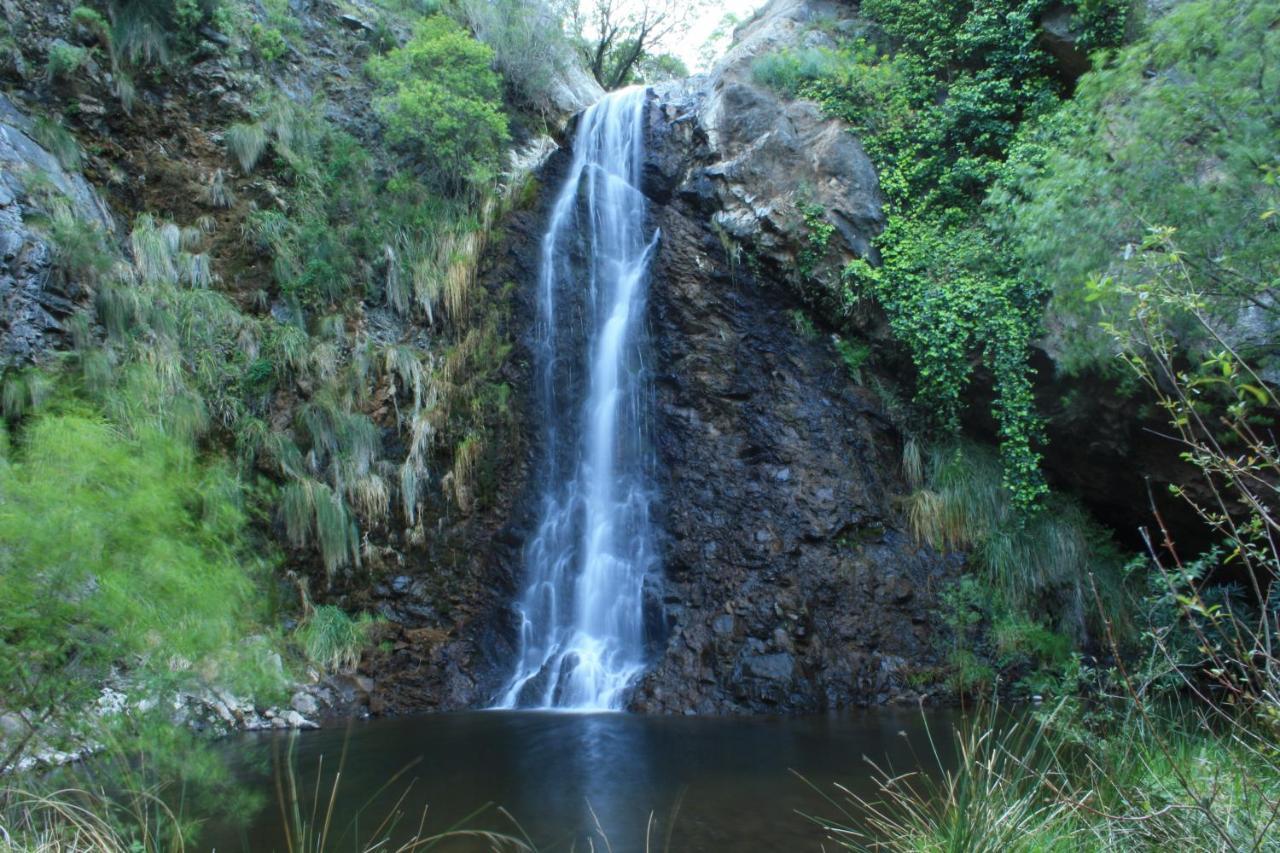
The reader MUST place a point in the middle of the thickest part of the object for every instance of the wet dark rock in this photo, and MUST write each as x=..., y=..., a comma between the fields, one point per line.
x=798, y=588
x=1061, y=38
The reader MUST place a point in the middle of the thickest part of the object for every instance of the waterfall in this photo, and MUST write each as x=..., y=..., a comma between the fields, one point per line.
x=581, y=612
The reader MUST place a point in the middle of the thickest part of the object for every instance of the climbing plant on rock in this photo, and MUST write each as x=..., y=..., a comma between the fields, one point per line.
x=937, y=94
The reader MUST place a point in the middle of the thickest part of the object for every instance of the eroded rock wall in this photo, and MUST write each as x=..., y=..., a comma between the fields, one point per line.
x=789, y=583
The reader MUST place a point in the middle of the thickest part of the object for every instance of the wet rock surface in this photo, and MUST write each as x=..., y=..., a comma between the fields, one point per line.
x=760, y=163
x=789, y=583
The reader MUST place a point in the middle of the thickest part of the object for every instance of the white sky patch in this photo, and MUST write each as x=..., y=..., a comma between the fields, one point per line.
x=689, y=48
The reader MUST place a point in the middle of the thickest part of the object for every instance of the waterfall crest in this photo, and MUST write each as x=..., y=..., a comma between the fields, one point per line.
x=581, y=611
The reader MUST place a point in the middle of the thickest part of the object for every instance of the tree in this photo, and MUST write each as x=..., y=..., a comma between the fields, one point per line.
x=444, y=101
x=116, y=553
x=615, y=36
x=1176, y=131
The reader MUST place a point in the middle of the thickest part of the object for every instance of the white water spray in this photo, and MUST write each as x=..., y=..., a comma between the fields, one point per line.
x=581, y=613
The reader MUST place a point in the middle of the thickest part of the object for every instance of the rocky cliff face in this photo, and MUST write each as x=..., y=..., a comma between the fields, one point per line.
x=790, y=584
x=34, y=299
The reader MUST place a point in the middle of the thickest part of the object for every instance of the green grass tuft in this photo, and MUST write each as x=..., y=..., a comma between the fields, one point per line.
x=246, y=143
x=51, y=134
x=333, y=640
x=1038, y=565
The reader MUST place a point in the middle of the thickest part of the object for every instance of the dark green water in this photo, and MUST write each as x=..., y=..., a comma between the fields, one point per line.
x=715, y=784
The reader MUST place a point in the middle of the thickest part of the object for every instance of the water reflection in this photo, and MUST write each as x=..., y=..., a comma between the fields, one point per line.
x=567, y=777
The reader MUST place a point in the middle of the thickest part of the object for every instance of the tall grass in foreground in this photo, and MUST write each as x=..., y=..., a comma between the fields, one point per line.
x=134, y=817
x=1164, y=782
x=312, y=825
x=1036, y=564
x=994, y=799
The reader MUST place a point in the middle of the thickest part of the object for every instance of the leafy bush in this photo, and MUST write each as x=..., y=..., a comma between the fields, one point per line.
x=268, y=43
x=246, y=142
x=149, y=32
x=1203, y=90
x=937, y=115
x=119, y=551
x=64, y=60
x=51, y=134
x=789, y=71
x=1039, y=567
x=443, y=103
x=529, y=46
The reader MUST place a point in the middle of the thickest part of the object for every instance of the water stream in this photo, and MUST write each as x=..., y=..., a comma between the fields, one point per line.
x=581, y=625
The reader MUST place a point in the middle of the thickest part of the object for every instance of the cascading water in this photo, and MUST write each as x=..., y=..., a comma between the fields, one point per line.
x=581, y=613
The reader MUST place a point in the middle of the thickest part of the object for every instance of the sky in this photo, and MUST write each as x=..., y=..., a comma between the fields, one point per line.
x=691, y=44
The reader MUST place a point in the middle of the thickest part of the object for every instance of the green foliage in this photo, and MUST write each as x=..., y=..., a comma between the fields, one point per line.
x=333, y=640
x=51, y=134
x=150, y=32
x=317, y=516
x=802, y=324
x=529, y=46
x=80, y=248
x=791, y=71
x=1041, y=567
x=91, y=20
x=818, y=236
x=118, y=550
x=937, y=115
x=246, y=142
x=1202, y=90
x=64, y=60
x=658, y=67
x=1159, y=780
x=443, y=103
x=268, y=43
x=854, y=354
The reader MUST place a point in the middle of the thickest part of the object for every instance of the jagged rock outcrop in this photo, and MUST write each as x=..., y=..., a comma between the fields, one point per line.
x=34, y=300
x=765, y=159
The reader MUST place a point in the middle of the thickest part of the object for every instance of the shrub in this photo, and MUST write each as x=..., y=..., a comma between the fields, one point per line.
x=268, y=43
x=1041, y=566
x=529, y=46
x=316, y=516
x=246, y=142
x=81, y=249
x=149, y=32
x=64, y=60
x=1203, y=90
x=92, y=20
x=119, y=551
x=55, y=137
x=443, y=103
x=788, y=71
x=333, y=640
